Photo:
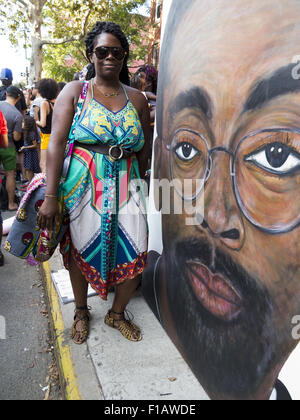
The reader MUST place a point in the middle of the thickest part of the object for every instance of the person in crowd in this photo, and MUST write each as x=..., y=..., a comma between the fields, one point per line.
x=150, y=76
x=145, y=79
x=106, y=244
x=61, y=85
x=76, y=75
x=3, y=132
x=3, y=144
x=30, y=148
x=48, y=89
x=8, y=156
x=36, y=100
x=27, y=92
x=83, y=72
x=137, y=81
x=6, y=77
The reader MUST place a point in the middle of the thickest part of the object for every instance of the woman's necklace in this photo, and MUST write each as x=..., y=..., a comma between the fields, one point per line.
x=108, y=95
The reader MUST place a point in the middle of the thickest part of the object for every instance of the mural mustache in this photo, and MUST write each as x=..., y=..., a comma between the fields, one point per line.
x=227, y=332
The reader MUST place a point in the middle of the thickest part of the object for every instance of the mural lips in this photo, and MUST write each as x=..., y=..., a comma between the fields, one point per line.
x=215, y=292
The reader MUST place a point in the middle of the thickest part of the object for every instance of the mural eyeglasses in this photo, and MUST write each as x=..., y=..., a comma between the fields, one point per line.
x=264, y=169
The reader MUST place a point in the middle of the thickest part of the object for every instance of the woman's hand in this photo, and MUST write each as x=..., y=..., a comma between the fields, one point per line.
x=48, y=213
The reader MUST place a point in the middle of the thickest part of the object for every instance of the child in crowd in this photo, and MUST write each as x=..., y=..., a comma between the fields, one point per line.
x=30, y=148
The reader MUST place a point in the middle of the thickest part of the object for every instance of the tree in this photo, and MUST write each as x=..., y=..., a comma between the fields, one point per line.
x=56, y=29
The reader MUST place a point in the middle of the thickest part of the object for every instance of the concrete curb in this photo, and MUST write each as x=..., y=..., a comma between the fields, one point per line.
x=108, y=367
x=68, y=376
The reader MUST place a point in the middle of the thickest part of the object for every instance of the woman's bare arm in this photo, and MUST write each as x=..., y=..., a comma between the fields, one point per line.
x=44, y=111
x=33, y=146
x=36, y=112
x=4, y=141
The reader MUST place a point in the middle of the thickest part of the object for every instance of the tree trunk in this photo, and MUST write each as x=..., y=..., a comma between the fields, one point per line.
x=36, y=60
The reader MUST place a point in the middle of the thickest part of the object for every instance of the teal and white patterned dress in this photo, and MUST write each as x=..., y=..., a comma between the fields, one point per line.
x=105, y=199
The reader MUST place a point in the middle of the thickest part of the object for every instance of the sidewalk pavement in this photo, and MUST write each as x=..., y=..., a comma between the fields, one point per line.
x=109, y=367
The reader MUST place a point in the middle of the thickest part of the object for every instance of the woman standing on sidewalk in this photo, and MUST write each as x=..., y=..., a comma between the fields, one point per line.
x=107, y=240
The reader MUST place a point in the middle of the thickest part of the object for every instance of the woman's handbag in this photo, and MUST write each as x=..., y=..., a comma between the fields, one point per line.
x=25, y=237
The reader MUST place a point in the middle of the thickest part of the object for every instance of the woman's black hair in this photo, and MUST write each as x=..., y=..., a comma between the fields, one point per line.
x=48, y=89
x=61, y=85
x=113, y=29
x=136, y=81
x=29, y=126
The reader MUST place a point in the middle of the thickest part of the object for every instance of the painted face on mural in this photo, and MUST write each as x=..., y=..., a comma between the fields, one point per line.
x=229, y=116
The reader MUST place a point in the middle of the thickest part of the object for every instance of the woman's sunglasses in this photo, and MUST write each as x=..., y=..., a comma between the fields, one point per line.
x=103, y=52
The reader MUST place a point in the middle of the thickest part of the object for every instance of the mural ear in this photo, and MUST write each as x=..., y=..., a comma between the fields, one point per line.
x=157, y=152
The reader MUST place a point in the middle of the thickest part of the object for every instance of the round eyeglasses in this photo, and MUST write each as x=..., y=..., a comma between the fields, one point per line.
x=264, y=168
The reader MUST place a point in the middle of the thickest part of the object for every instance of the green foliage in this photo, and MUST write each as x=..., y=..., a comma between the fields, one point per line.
x=54, y=64
x=13, y=22
x=63, y=19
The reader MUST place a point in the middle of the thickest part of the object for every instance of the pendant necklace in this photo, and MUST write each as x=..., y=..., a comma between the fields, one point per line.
x=108, y=95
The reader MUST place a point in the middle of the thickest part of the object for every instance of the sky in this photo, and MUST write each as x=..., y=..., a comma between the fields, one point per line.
x=14, y=58
x=144, y=10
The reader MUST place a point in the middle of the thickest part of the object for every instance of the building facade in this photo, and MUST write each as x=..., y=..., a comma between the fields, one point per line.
x=155, y=31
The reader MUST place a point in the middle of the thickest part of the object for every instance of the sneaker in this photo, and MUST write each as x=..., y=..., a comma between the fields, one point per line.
x=1, y=259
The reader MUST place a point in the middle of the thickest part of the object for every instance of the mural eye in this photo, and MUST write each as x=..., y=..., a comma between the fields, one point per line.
x=186, y=152
x=276, y=158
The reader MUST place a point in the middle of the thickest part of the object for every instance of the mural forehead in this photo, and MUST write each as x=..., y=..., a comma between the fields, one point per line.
x=229, y=48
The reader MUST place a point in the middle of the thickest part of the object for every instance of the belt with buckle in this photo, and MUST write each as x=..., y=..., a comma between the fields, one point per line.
x=114, y=152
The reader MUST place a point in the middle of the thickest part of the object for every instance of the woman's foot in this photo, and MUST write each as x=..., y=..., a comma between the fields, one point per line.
x=126, y=327
x=80, y=328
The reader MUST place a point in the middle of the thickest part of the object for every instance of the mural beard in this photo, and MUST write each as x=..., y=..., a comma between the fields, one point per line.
x=229, y=358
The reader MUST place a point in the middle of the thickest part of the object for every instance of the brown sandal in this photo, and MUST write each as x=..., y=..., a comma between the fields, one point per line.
x=80, y=335
x=126, y=327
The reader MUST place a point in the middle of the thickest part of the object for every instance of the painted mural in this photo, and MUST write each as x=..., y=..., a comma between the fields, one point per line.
x=224, y=276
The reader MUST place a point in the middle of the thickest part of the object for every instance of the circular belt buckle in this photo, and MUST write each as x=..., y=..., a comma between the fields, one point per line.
x=121, y=151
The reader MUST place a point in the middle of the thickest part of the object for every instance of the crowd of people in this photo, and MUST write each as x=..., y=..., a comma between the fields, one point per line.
x=107, y=115
x=25, y=118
